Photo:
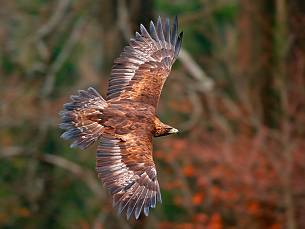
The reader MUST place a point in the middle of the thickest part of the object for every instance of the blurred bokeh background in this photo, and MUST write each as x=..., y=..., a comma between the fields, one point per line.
x=237, y=94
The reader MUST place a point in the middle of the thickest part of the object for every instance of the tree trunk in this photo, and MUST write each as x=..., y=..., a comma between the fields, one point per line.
x=256, y=60
x=112, y=36
x=296, y=91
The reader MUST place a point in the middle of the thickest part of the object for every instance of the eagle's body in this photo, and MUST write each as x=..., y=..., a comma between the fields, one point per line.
x=122, y=117
x=126, y=121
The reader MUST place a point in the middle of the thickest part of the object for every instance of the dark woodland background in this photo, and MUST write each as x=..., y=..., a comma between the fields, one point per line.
x=237, y=94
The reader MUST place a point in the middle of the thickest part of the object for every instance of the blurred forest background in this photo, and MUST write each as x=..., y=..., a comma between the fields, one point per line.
x=237, y=94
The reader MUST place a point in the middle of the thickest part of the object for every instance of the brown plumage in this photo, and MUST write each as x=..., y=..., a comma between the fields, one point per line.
x=126, y=121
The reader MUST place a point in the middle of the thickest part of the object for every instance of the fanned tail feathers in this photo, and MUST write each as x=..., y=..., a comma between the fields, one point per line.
x=81, y=118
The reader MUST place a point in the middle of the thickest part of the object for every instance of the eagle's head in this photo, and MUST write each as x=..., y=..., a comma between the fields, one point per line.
x=161, y=129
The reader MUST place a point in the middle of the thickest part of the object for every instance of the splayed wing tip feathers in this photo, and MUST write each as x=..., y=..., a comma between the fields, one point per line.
x=153, y=49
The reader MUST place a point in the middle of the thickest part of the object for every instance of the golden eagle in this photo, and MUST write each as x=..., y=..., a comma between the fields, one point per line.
x=125, y=122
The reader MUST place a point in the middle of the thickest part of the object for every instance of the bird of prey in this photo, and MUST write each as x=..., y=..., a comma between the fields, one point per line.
x=124, y=123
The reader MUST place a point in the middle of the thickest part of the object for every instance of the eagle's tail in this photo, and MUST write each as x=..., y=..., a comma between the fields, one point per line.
x=81, y=118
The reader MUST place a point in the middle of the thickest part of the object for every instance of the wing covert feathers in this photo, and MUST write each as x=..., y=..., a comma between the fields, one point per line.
x=81, y=118
x=154, y=51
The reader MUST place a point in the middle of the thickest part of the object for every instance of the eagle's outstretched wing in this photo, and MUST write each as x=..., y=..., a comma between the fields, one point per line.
x=142, y=68
x=127, y=169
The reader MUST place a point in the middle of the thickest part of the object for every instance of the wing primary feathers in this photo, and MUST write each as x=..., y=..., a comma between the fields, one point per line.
x=174, y=32
x=159, y=198
x=138, y=36
x=167, y=31
x=160, y=32
x=140, y=205
x=154, y=34
x=135, y=191
x=146, y=204
x=134, y=202
x=153, y=200
x=178, y=44
x=144, y=32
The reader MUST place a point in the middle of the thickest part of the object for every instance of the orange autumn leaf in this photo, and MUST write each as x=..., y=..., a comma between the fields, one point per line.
x=169, y=225
x=215, y=222
x=197, y=198
x=84, y=225
x=276, y=226
x=253, y=208
x=216, y=193
x=184, y=226
x=165, y=225
x=200, y=218
x=175, y=184
x=188, y=171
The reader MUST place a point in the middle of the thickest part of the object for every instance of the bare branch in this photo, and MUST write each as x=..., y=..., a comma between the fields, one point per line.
x=10, y=151
x=55, y=19
x=123, y=19
x=88, y=177
x=196, y=112
x=57, y=64
x=206, y=84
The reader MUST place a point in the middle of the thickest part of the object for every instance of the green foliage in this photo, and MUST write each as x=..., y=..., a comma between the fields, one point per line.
x=171, y=211
x=226, y=14
x=176, y=8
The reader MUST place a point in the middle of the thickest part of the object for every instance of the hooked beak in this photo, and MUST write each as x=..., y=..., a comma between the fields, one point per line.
x=173, y=131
